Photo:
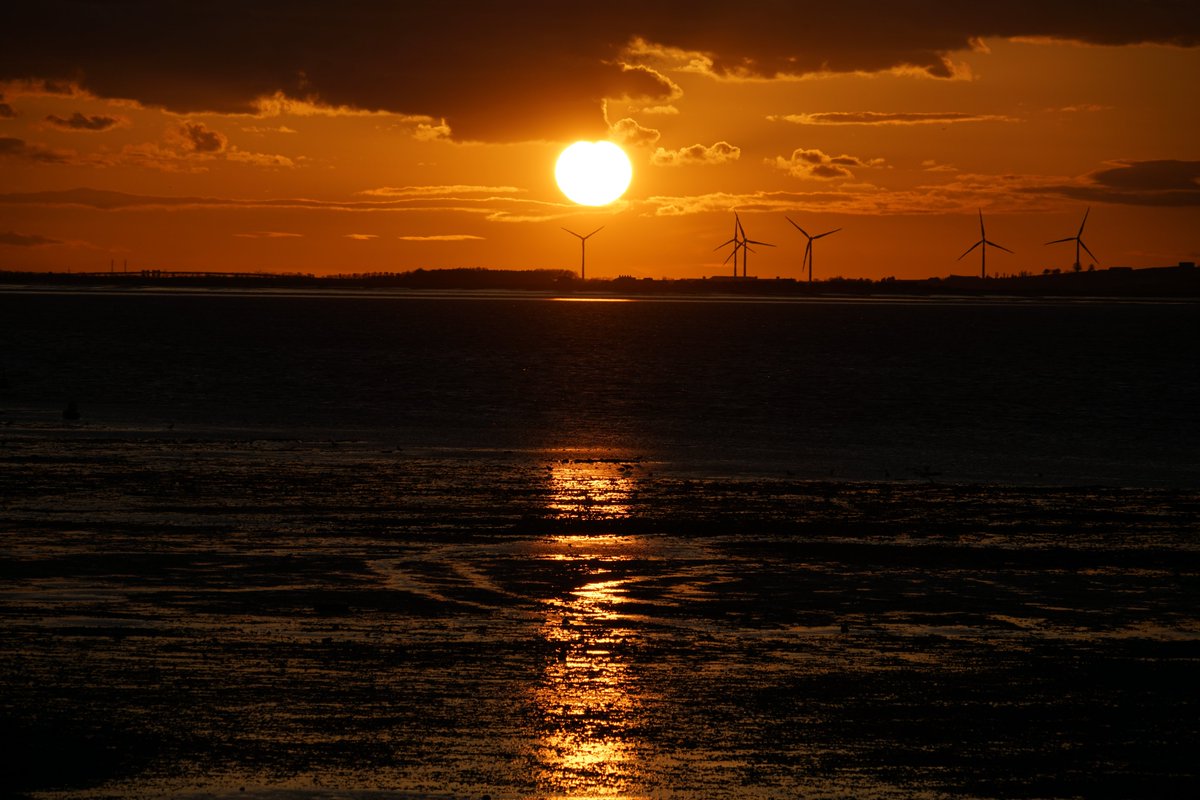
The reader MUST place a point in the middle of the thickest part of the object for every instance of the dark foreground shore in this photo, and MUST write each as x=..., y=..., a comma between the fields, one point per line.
x=289, y=618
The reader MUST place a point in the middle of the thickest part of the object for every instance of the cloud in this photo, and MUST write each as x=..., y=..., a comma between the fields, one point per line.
x=540, y=71
x=888, y=118
x=259, y=159
x=362, y=237
x=187, y=147
x=444, y=237
x=1143, y=183
x=697, y=154
x=437, y=191
x=932, y=165
x=812, y=163
x=23, y=151
x=1151, y=176
x=82, y=122
x=196, y=137
x=628, y=132
x=491, y=207
x=26, y=240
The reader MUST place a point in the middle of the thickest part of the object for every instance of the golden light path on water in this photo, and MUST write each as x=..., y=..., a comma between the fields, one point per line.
x=587, y=694
x=591, y=488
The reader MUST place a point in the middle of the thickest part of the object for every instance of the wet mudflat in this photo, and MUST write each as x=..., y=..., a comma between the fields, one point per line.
x=340, y=618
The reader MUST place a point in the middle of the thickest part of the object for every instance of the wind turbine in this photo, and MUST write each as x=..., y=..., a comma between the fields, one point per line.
x=746, y=242
x=983, y=244
x=808, y=249
x=1078, y=239
x=583, y=249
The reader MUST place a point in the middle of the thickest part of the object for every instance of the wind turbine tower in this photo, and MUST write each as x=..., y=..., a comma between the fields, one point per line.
x=983, y=244
x=583, y=249
x=1078, y=240
x=808, y=249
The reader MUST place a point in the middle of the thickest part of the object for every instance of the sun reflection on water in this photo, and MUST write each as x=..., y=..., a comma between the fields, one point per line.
x=587, y=696
x=591, y=488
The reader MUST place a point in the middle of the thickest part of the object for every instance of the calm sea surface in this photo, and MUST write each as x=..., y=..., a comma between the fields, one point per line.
x=1002, y=392
x=456, y=546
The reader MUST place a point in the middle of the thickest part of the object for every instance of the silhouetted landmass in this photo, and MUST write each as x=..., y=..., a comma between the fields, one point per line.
x=1180, y=281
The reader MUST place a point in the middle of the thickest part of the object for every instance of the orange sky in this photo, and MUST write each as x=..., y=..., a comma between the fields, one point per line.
x=371, y=136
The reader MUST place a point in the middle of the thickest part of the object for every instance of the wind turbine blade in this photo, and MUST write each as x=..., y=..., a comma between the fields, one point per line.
x=573, y=233
x=972, y=247
x=789, y=219
x=826, y=233
x=1085, y=216
x=982, y=235
x=1085, y=247
x=807, y=251
x=1068, y=239
x=593, y=233
x=753, y=241
x=733, y=242
x=1000, y=246
x=731, y=255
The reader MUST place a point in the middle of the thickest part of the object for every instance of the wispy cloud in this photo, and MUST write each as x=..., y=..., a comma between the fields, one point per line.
x=266, y=160
x=696, y=155
x=1143, y=183
x=492, y=208
x=83, y=122
x=442, y=237
x=437, y=191
x=21, y=150
x=888, y=118
x=26, y=240
x=362, y=237
x=932, y=165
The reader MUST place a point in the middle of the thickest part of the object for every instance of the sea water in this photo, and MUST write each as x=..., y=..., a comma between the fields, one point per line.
x=1026, y=392
x=456, y=546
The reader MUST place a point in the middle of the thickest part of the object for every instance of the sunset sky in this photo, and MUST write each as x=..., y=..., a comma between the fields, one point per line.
x=385, y=136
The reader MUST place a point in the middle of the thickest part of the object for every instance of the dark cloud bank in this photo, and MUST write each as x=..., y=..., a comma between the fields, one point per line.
x=507, y=71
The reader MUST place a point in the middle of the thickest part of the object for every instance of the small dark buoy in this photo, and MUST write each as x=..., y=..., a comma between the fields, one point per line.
x=71, y=412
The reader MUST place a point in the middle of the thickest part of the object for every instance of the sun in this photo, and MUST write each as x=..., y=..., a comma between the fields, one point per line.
x=593, y=173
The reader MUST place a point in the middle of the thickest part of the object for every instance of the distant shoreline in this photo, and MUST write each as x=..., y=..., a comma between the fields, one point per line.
x=1181, y=282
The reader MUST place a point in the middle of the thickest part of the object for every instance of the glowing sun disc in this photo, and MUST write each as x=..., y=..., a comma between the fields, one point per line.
x=593, y=173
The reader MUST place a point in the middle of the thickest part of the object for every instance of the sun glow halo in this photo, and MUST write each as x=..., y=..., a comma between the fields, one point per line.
x=593, y=173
